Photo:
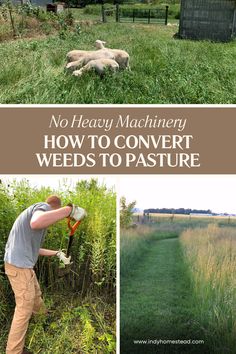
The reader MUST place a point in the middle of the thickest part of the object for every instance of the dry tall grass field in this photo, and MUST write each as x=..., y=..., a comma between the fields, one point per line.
x=211, y=257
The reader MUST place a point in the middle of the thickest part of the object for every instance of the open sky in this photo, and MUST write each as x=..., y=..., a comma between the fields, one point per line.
x=215, y=192
x=54, y=181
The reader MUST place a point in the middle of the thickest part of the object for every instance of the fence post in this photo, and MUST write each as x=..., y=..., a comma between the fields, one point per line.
x=166, y=17
x=103, y=14
x=149, y=15
x=133, y=14
x=117, y=13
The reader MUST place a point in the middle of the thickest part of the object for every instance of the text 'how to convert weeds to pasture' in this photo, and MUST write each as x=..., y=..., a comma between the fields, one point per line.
x=118, y=140
x=118, y=143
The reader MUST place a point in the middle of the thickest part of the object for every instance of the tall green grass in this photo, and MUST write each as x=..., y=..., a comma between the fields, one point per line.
x=75, y=325
x=136, y=242
x=133, y=244
x=211, y=257
x=163, y=69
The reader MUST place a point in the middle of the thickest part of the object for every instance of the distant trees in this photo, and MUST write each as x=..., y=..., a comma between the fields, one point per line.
x=177, y=211
x=82, y=3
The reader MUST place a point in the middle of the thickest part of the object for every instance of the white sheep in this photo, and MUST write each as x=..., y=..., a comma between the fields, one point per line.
x=74, y=55
x=99, y=65
x=81, y=58
x=120, y=56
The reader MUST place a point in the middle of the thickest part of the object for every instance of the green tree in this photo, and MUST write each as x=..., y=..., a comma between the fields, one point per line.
x=126, y=212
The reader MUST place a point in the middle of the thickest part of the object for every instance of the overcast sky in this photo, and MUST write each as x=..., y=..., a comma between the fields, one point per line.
x=215, y=192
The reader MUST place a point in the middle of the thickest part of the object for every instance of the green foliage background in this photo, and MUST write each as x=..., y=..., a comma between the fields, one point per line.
x=83, y=300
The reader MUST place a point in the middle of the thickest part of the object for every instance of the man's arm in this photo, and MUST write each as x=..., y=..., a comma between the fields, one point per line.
x=60, y=254
x=43, y=219
x=48, y=253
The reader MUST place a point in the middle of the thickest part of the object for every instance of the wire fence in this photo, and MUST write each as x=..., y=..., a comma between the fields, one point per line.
x=123, y=14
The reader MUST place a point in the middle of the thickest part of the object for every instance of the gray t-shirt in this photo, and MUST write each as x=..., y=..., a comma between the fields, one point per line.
x=22, y=248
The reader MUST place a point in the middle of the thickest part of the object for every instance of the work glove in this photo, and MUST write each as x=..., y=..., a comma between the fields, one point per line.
x=77, y=213
x=62, y=256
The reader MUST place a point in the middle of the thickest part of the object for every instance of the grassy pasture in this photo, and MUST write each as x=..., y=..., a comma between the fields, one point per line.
x=177, y=282
x=164, y=69
x=183, y=221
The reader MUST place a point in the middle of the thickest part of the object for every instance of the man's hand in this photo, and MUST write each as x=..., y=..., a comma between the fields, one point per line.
x=77, y=213
x=62, y=256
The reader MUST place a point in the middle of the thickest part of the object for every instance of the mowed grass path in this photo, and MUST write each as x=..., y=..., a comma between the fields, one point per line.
x=156, y=302
x=164, y=69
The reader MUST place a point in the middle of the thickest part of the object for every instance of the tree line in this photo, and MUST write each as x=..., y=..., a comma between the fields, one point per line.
x=177, y=211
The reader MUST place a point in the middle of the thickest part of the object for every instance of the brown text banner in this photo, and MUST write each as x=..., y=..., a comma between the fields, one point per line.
x=118, y=140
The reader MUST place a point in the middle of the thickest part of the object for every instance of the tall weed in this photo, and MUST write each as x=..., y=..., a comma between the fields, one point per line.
x=211, y=256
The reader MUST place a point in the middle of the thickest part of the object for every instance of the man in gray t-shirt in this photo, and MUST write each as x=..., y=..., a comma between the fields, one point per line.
x=22, y=250
x=24, y=243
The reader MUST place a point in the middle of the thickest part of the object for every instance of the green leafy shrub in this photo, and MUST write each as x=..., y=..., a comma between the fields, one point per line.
x=29, y=20
x=126, y=213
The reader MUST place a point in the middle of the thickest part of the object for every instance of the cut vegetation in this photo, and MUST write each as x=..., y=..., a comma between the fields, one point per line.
x=178, y=288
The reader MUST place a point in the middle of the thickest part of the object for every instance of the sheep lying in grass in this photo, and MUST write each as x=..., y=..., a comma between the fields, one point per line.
x=80, y=58
x=120, y=56
x=97, y=60
x=75, y=54
x=99, y=65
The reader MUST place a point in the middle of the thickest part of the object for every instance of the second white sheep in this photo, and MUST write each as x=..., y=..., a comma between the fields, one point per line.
x=120, y=56
x=99, y=65
x=79, y=58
